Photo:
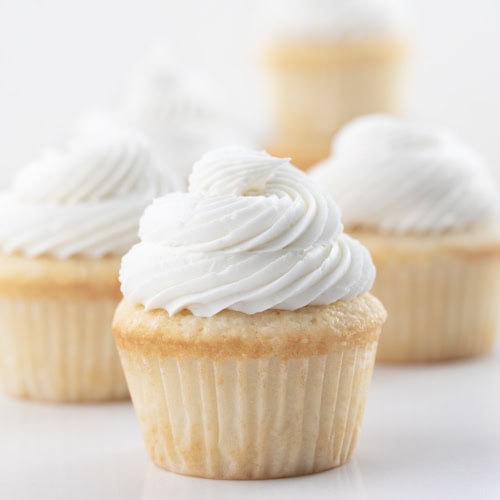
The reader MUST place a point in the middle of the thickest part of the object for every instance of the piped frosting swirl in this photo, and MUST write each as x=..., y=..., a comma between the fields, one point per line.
x=98, y=125
x=400, y=176
x=253, y=233
x=85, y=200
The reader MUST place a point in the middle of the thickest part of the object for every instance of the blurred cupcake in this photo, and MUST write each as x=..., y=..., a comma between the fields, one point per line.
x=179, y=114
x=65, y=223
x=246, y=334
x=329, y=61
x=427, y=208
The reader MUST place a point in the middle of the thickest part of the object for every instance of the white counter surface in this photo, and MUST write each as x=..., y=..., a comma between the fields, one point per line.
x=430, y=432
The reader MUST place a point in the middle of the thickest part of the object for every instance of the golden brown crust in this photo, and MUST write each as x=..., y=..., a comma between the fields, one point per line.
x=480, y=242
x=312, y=330
x=351, y=52
x=74, y=278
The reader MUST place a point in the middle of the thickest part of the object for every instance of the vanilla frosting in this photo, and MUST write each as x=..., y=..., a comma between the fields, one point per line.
x=253, y=233
x=338, y=19
x=99, y=124
x=401, y=176
x=179, y=113
x=85, y=200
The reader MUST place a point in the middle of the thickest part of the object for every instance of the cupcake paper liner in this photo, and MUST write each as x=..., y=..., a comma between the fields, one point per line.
x=250, y=418
x=59, y=350
x=441, y=307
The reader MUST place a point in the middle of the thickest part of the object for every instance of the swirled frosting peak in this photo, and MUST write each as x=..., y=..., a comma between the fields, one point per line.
x=84, y=200
x=401, y=176
x=253, y=233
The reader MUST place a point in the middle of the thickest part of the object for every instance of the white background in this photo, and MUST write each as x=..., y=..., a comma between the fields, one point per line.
x=59, y=58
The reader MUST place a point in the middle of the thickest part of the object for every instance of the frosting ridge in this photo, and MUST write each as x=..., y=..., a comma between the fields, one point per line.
x=402, y=176
x=85, y=200
x=253, y=233
x=97, y=125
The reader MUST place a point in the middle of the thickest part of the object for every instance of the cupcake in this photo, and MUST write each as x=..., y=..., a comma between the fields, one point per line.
x=247, y=333
x=427, y=208
x=328, y=62
x=66, y=221
x=180, y=115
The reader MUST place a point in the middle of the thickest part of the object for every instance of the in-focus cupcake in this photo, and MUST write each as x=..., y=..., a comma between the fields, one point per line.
x=427, y=208
x=65, y=223
x=329, y=61
x=246, y=332
x=179, y=114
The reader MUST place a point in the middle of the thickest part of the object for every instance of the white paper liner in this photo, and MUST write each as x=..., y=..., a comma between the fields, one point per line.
x=58, y=350
x=250, y=419
x=438, y=309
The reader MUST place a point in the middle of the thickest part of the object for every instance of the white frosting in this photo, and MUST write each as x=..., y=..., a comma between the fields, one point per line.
x=338, y=19
x=401, y=176
x=252, y=234
x=97, y=125
x=85, y=200
x=179, y=114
